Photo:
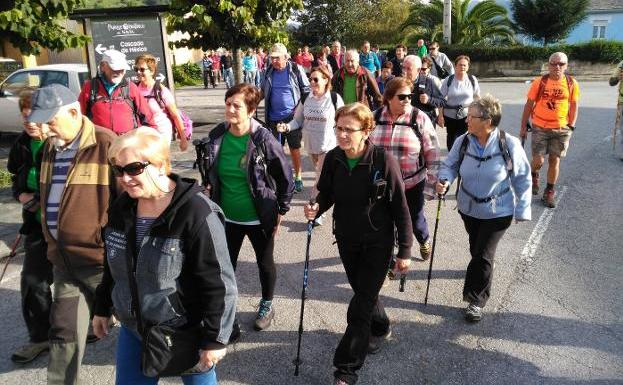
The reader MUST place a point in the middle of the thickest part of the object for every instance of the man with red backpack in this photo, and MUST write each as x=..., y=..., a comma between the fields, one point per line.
x=112, y=101
x=553, y=108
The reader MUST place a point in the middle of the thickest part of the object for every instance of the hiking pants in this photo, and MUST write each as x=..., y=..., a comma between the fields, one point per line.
x=455, y=128
x=366, y=265
x=484, y=235
x=73, y=295
x=264, y=253
x=415, y=201
x=35, y=289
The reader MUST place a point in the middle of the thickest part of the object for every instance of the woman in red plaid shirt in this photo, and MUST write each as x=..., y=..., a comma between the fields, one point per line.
x=409, y=135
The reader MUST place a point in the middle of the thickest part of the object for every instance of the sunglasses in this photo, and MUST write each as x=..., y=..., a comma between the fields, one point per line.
x=402, y=97
x=314, y=80
x=347, y=130
x=424, y=69
x=140, y=69
x=558, y=64
x=132, y=169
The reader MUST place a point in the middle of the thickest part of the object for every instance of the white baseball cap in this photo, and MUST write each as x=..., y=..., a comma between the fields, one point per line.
x=115, y=59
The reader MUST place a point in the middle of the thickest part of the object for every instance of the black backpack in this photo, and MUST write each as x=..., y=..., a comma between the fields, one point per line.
x=125, y=95
x=415, y=126
x=471, y=78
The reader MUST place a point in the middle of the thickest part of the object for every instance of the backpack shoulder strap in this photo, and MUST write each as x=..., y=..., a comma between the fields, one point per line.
x=94, y=87
x=377, y=115
x=450, y=79
x=570, y=85
x=472, y=80
x=463, y=150
x=157, y=93
x=125, y=94
x=378, y=164
x=334, y=100
x=506, y=154
x=542, y=84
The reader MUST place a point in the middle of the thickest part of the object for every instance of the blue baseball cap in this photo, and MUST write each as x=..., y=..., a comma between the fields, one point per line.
x=46, y=101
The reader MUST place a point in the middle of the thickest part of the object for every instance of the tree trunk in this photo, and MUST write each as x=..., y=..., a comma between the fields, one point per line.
x=237, y=64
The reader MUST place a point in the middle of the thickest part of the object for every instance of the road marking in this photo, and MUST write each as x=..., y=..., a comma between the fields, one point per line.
x=541, y=227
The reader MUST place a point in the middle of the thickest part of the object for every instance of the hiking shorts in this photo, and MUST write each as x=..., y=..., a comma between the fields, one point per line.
x=552, y=141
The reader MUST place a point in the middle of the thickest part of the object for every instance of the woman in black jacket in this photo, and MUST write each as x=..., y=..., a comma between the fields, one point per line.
x=246, y=172
x=25, y=164
x=364, y=185
x=166, y=262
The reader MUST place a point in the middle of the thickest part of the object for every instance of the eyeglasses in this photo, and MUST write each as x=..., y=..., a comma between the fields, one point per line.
x=140, y=69
x=424, y=69
x=347, y=130
x=402, y=97
x=314, y=80
x=474, y=117
x=132, y=169
x=558, y=64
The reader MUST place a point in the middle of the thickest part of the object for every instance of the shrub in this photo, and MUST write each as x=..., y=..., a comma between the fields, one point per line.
x=187, y=74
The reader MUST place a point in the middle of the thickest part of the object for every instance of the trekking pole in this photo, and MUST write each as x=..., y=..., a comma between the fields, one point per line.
x=432, y=253
x=310, y=226
x=403, y=280
x=16, y=242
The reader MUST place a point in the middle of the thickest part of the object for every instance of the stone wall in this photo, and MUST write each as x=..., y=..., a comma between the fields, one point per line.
x=516, y=68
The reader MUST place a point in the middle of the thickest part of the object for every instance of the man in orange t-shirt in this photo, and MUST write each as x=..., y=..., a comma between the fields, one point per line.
x=552, y=106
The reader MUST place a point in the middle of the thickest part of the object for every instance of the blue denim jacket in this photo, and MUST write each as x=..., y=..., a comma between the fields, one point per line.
x=490, y=178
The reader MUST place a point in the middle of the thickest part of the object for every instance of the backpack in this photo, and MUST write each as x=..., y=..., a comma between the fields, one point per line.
x=299, y=79
x=334, y=99
x=125, y=94
x=471, y=78
x=156, y=93
x=415, y=126
x=504, y=152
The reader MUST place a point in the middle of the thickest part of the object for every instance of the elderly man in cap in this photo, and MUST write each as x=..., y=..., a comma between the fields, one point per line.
x=76, y=188
x=110, y=100
x=285, y=85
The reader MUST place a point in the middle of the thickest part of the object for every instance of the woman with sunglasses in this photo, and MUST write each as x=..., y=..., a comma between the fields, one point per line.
x=172, y=236
x=459, y=90
x=408, y=134
x=495, y=186
x=363, y=184
x=160, y=100
x=248, y=175
x=316, y=117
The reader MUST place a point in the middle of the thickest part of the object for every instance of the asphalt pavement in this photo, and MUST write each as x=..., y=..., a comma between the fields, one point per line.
x=555, y=315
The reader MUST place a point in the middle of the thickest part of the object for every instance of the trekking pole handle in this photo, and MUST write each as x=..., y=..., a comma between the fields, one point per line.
x=443, y=181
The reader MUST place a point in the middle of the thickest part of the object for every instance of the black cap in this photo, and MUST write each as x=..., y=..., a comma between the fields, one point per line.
x=46, y=101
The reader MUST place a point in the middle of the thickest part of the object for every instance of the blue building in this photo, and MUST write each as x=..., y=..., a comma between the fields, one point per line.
x=604, y=20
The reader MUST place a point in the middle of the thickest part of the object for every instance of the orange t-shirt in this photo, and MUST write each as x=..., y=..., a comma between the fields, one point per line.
x=552, y=109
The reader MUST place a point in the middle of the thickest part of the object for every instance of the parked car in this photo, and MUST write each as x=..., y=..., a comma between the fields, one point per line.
x=69, y=75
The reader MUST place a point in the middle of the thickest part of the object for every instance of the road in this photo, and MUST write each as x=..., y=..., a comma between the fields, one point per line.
x=555, y=316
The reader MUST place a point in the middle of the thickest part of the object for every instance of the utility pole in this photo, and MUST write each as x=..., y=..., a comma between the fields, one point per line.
x=447, y=21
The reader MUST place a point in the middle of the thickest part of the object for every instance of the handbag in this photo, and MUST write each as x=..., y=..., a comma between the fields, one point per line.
x=169, y=351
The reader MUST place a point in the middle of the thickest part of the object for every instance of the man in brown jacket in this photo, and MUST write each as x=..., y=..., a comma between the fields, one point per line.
x=76, y=189
x=354, y=83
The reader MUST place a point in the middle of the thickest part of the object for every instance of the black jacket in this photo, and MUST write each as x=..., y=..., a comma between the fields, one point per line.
x=436, y=99
x=355, y=218
x=19, y=163
x=397, y=67
x=183, y=271
x=268, y=172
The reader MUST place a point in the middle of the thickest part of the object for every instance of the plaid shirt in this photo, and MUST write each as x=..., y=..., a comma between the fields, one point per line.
x=403, y=143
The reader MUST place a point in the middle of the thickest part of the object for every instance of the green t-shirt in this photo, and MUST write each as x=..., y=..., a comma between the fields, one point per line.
x=350, y=89
x=236, y=199
x=352, y=162
x=32, y=181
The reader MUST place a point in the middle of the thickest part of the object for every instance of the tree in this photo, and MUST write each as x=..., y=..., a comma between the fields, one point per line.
x=485, y=22
x=32, y=24
x=210, y=24
x=547, y=21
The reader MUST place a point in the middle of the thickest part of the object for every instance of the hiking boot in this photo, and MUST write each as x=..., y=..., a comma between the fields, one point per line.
x=375, y=343
x=298, y=185
x=535, y=184
x=425, y=250
x=548, y=198
x=473, y=313
x=235, y=333
x=265, y=315
x=29, y=352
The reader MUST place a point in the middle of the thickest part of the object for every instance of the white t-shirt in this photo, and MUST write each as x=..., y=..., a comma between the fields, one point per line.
x=460, y=93
x=317, y=119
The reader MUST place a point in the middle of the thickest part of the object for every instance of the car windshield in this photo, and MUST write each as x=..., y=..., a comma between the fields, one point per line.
x=19, y=81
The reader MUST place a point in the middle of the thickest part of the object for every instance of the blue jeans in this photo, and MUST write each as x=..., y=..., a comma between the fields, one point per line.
x=129, y=365
x=228, y=75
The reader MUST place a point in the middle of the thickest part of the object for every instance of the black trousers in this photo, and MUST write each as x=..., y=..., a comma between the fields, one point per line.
x=35, y=282
x=366, y=265
x=262, y=245
x=415, y=202
x=484, y=235
x=455, y=128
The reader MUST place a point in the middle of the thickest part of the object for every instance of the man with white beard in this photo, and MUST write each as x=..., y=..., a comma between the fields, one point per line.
x=76, y=187
x=110, y=100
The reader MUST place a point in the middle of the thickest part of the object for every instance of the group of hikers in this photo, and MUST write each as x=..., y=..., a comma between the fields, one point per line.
x=116, y=232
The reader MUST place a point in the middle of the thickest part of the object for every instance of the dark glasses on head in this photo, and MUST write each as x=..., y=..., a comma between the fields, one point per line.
x=132, y=169
x=140, y=69
x=402, y=97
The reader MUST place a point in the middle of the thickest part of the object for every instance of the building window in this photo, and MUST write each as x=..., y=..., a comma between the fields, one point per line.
x=599, y=29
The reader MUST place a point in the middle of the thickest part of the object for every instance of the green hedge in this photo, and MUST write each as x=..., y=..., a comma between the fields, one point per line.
x=188, y=74
x=596, y=51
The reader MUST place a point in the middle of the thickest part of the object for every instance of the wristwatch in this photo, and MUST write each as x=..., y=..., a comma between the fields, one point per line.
x=571, y=127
